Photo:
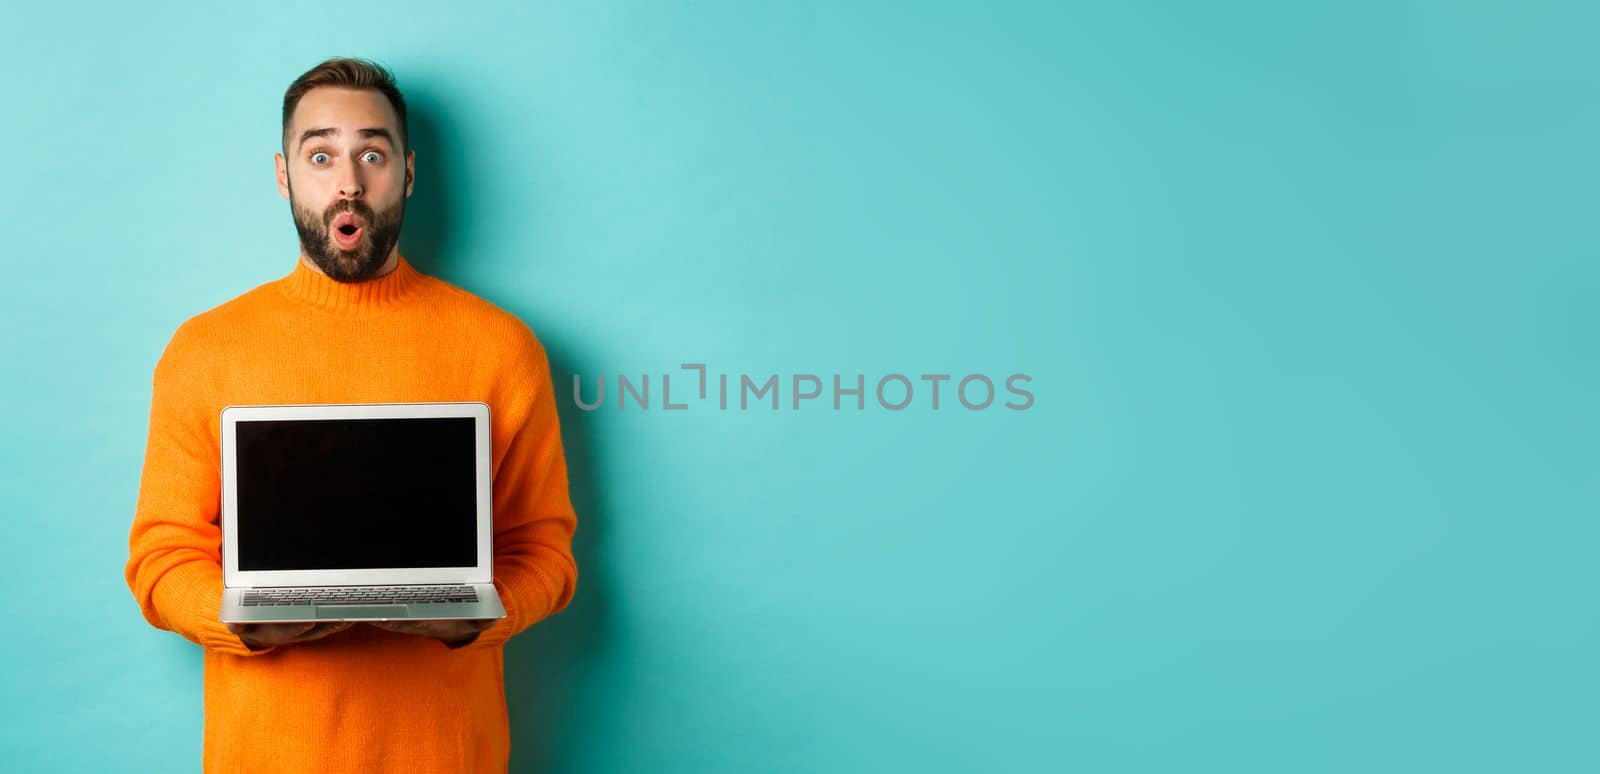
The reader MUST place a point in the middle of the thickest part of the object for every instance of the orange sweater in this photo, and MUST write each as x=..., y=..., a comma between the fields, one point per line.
x=363, y=699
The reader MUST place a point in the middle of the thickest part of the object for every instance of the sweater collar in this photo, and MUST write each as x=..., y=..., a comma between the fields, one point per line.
x=306, y=285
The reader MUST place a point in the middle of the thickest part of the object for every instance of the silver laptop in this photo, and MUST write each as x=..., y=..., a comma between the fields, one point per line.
x=357, y=512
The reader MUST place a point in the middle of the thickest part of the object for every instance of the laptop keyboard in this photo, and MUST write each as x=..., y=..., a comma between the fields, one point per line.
x=359, y=595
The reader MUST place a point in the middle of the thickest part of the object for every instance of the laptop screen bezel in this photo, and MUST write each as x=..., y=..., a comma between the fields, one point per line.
x=483, y=572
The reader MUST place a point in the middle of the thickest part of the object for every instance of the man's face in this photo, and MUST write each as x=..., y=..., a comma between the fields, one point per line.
x=345, y=180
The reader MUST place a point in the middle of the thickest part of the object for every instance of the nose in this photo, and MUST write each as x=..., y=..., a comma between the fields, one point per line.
x=350, y=183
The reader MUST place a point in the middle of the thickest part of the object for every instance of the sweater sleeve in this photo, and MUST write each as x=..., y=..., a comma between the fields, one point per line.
x=534, y=570
x=174, y=548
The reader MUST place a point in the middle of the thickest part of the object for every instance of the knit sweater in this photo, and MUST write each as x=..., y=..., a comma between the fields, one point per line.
x=363, y=699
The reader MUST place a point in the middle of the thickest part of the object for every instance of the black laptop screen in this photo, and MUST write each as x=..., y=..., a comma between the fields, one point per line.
x=345, y=494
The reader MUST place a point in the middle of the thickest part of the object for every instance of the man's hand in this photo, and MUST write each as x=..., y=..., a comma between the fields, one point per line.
x=266, y=635
x=451, y=632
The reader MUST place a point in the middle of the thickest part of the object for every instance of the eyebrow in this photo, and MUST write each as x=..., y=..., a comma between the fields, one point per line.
x=329, y=131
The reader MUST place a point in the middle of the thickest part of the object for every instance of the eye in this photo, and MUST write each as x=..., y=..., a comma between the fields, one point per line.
x=319, y=158
x=372, y=157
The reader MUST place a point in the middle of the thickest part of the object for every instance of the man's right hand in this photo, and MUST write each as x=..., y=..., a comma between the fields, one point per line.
x=260, y=636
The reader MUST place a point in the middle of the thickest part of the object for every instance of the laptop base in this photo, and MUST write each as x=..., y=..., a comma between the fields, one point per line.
x=488, y=606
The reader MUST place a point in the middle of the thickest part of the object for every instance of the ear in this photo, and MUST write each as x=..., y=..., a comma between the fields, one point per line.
x=411, y=171
x=282, y=166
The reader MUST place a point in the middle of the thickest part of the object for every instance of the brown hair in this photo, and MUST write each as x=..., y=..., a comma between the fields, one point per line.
x=347, y=73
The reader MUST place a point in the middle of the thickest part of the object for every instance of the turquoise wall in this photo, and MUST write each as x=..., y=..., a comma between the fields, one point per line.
x=1306, y=292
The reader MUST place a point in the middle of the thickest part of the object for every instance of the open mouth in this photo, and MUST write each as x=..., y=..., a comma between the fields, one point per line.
x=347, y=230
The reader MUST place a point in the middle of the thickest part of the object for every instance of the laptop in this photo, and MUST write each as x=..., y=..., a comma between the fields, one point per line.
x=357, y=512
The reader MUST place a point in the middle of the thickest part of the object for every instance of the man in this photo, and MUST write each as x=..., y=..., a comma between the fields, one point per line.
x=353, y=322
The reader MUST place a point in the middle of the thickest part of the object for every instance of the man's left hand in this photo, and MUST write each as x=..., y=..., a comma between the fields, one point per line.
x=451, y=632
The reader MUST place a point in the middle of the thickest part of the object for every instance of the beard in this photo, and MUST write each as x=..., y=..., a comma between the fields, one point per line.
x=378, y=238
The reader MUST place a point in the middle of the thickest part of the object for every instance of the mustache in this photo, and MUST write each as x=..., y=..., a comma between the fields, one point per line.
x=351, y=206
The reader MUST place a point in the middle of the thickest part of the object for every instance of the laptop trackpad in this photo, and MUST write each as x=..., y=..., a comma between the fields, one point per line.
x=360, y=611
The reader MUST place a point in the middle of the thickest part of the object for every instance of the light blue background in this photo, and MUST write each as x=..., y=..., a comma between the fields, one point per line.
x=1307, y=291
